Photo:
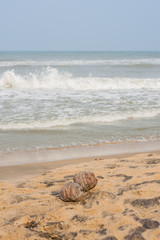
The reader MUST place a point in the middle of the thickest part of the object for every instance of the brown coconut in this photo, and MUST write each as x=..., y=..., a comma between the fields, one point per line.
x=86, y=180
x=71, y=192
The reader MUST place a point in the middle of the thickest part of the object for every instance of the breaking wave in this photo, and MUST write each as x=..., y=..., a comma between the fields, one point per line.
x=51, y=78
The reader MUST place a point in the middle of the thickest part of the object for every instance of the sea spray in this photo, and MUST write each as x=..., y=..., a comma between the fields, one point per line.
x=51, y=78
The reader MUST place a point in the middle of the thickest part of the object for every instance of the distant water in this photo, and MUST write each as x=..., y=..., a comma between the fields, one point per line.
x=58, y=99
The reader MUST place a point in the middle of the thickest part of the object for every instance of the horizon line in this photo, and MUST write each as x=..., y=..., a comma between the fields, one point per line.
x=79, y=50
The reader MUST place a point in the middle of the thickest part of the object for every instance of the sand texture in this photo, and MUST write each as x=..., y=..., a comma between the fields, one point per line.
x=125, y=204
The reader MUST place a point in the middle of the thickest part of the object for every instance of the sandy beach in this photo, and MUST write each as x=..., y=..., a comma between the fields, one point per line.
x=125, y=204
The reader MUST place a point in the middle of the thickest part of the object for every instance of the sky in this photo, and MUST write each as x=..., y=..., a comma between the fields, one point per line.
x=84, y=25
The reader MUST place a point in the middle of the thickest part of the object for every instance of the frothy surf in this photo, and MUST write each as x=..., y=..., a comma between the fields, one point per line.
x=50, y=99
x=51, y=78
x=97, y=119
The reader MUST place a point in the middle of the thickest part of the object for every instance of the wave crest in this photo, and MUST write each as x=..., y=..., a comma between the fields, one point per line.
x=51, y=78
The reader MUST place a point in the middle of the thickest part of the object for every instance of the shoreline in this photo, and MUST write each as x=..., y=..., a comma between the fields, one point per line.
x=26, y=168
x=77, y=152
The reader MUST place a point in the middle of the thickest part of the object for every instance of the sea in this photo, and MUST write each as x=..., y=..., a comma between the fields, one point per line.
x=51, y=100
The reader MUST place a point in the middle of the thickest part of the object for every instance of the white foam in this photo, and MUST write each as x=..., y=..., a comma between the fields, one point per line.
x=51, y=78
x=145, y=61
x=97, y=119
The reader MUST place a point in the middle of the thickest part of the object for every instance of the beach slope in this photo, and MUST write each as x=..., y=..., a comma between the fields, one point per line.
x=125, y=204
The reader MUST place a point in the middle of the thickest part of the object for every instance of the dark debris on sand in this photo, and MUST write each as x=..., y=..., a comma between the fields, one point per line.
x=146, y=202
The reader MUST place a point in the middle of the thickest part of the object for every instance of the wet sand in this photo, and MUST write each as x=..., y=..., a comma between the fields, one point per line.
x=125, y=204
x=24, y=165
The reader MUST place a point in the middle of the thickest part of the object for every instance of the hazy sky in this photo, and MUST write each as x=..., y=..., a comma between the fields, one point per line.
x=79, y=24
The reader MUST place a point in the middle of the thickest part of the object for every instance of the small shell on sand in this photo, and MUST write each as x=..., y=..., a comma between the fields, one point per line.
x=71, y=192
x=86, y=180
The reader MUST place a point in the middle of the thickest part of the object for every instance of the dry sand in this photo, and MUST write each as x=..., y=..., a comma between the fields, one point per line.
x=125, y=204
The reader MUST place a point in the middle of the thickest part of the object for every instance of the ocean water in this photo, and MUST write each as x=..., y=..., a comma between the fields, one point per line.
x=62, y=99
